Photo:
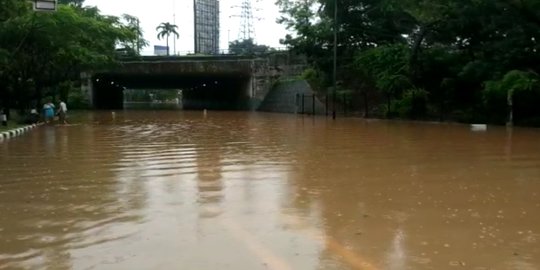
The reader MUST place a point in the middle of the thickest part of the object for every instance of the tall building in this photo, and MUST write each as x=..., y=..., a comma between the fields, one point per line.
x=206, y=26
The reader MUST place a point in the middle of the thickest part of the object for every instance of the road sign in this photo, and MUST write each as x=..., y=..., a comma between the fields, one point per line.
x=45, y=5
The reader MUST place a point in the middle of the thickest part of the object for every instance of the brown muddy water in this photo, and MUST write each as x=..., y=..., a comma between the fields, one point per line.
x=237, y=190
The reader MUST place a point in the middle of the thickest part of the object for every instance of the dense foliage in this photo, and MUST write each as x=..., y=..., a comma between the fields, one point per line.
x=42, y=54
x=247, y=47
x=426, y=58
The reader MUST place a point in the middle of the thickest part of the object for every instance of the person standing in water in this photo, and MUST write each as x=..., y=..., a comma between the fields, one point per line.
x=48, y=112
x=62, y=112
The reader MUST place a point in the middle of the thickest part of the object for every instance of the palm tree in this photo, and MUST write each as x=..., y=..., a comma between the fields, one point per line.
x=166, y=29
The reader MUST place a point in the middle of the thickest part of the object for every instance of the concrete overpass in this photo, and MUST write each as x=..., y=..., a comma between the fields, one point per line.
x=208, y=82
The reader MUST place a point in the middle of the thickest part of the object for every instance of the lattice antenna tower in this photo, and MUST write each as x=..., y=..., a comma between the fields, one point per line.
x=247, y=26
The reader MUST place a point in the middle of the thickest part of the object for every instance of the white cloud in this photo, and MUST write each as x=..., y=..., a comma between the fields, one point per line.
x=152, y=13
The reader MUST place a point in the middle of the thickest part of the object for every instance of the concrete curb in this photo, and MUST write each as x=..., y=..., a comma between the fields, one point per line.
x=16, y=132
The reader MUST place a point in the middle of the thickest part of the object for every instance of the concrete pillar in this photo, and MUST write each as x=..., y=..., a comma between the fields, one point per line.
x=260, y=82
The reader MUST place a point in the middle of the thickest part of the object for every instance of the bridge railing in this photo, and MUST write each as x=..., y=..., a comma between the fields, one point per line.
x=155, y=58
x=223, y=52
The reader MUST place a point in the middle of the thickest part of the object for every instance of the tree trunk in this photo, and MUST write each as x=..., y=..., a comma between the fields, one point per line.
x=415, y=51
x=417, y=45
x=418, y=42
x=38, y=97
x=168, y=45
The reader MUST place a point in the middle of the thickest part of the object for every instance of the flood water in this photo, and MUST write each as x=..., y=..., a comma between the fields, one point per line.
x=239, y=190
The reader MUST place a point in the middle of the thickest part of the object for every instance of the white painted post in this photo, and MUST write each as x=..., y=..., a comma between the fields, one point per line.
x=3, y=119
x=510, y=108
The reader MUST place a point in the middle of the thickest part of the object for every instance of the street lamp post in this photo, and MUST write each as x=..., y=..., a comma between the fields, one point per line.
x=334, y=80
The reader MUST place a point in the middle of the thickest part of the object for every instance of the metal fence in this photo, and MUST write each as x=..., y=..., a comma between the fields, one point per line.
x=343, y=105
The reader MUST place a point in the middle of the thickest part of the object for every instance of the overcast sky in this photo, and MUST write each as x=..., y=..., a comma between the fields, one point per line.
x=152, y=13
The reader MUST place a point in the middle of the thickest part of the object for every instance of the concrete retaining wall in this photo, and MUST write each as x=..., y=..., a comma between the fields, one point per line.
x=15, y=132
x=285, y=97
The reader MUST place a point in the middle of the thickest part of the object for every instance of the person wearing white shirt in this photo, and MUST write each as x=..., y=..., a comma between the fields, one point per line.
x=62, y=112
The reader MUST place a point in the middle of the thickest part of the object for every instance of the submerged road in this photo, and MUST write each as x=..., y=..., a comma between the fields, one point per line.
x=239, y=190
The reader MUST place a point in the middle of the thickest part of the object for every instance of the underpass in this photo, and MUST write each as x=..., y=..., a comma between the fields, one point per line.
x=217, y=83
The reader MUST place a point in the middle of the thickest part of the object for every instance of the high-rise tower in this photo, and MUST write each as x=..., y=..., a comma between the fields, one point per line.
x=206, y=14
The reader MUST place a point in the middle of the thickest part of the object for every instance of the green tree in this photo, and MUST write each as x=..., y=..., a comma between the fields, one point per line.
x=247, y=47
x=361, y=25
x=133, y=24
x=448, y=48
x=387, y=67
x=46, y=49
x=165, y=30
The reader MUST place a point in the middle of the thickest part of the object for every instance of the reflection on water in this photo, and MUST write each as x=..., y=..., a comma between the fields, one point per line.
x=397, y=257
x=173, y=189
x=152, y=105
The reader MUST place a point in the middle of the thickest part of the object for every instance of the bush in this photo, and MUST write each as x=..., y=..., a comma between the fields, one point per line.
x=413, y=104
x=314, y=78
x=77, y=100
x=495, y=102
x=465, y=116
x=517, y=87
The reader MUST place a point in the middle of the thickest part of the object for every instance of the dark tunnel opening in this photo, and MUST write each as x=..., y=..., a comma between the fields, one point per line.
x=199, y=91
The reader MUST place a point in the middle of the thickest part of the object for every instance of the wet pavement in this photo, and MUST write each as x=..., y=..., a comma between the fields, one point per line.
x=237, y=190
